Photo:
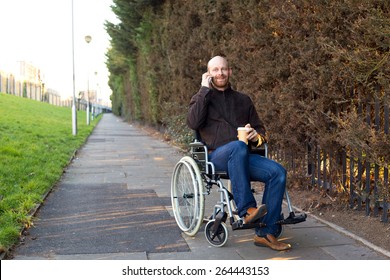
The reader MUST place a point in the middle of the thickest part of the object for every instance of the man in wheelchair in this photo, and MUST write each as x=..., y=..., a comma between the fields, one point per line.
x=216, y=111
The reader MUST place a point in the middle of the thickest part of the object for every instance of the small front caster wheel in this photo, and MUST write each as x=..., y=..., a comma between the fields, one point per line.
x=217, y=237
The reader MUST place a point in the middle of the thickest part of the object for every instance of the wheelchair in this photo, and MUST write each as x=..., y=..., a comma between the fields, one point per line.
x=193, y=178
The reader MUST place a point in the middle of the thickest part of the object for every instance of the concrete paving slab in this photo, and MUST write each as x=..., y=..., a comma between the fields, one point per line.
x=317, y=237
x=352, y=252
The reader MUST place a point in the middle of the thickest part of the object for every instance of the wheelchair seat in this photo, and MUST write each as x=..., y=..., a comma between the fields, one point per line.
x=199, y=152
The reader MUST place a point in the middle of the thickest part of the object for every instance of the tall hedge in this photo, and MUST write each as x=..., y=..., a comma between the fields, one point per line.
x=309, y=65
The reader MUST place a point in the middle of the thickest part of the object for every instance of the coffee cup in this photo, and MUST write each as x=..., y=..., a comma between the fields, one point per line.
x=242, y=134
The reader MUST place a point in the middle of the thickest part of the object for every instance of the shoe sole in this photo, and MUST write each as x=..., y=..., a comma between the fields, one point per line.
x=268, y=246
x=261, y=212
x=261, y=245
x=264, y=245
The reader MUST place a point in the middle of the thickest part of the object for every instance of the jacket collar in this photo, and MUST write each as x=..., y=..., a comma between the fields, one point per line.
x=228, y=89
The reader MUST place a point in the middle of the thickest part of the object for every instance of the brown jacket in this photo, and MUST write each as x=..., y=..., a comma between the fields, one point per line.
x=217, y=114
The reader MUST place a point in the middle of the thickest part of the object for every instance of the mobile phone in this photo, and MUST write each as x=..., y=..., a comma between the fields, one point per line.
x=211, y=81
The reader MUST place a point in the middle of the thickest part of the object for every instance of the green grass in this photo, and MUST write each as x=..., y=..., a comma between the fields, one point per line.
x=36, y=144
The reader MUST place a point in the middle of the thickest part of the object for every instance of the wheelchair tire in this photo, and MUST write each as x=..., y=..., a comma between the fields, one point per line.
x=220, y=237
x=187, y=196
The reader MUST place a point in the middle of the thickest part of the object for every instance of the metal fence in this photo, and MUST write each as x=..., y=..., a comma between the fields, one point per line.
x=344, y=169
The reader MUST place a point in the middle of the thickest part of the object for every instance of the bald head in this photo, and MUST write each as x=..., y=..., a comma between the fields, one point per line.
x=218, y=68
x=217, y=60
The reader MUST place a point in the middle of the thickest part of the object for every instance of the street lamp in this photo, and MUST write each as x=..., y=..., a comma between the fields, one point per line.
x=74, y=112
x=88, y=39
x=95, y=107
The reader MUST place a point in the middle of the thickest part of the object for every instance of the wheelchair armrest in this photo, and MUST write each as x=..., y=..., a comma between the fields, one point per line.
x=262, y=150
x=197, y=144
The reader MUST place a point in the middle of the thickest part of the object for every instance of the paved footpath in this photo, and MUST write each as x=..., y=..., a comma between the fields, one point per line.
x=113, y=203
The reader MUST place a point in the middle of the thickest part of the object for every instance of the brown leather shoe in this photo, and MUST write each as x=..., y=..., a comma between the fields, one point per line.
x=253, y=214
x=270, y=241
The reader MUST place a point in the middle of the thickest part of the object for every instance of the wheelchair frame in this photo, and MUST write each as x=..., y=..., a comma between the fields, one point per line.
x=193, y=177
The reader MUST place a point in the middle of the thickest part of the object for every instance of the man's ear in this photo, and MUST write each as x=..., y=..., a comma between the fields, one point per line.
x=230, y=71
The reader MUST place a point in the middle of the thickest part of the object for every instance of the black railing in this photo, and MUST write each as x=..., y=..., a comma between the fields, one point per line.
x=361, y=175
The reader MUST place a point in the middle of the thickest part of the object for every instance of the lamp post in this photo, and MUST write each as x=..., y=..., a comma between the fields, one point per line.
x=95, y=107
x=74, y=112
x=88, y=39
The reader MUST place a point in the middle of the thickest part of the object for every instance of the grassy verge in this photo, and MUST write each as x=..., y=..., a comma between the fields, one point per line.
x=36, y=143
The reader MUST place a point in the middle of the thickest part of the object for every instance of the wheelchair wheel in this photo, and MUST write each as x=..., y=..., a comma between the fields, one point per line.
x=220, y=237
x=187, y=196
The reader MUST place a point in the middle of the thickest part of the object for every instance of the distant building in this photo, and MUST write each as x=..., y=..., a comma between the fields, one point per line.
x=29, y=72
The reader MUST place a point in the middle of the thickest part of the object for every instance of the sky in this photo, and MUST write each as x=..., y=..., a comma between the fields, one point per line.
x=40, y=32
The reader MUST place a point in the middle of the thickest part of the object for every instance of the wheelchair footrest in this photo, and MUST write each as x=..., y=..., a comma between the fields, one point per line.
x=237, y=225
x=293, y=219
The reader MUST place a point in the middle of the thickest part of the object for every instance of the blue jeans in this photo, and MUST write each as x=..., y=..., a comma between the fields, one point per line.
x=244, y=167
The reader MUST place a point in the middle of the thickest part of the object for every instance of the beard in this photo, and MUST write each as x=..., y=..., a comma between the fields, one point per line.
x=221, y=82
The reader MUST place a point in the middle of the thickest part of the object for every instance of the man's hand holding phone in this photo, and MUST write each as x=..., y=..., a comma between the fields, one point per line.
x=207, y=80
